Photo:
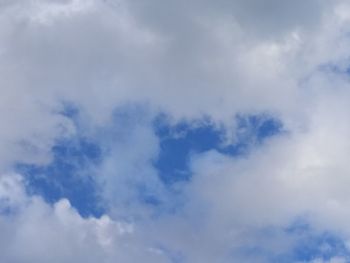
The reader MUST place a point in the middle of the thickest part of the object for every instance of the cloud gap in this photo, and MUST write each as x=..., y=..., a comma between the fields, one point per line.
x=180, y=140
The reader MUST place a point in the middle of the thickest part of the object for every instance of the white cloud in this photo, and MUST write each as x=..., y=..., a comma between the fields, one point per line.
x=38, y=232
x=188, y=59
x=332, y=260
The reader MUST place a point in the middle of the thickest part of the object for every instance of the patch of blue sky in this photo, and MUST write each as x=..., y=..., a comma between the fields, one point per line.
x=71, y=174
x=67, y=176
x=301, y=244
x=312, y=245
x=324, y=246
x=179, y=141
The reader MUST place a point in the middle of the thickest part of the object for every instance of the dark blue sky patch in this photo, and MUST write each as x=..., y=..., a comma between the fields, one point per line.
x=261, y=127
x=68, y=176
x=179, y=141
x=176, y=144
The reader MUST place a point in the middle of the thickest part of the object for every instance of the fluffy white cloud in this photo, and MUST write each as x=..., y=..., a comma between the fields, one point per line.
x=192, y=59
x=34, y=231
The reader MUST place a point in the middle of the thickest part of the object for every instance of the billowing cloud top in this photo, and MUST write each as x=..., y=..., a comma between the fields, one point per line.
x=174, y=131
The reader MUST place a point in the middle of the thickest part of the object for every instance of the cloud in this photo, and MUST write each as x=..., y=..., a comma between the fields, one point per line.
x=332, y=260
x=38, y=232
x=189, y=61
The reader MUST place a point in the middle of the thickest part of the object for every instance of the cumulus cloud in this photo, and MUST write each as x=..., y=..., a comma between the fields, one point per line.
x=37, y=232
x=188, y=60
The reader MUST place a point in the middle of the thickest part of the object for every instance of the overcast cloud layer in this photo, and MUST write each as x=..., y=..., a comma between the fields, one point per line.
x=194, y=62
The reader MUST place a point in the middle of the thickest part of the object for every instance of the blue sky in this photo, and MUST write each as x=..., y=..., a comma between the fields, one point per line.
x=174, y=131
x=69, y=174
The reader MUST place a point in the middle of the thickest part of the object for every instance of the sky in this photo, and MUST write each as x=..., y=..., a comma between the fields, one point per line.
x=174, y=131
